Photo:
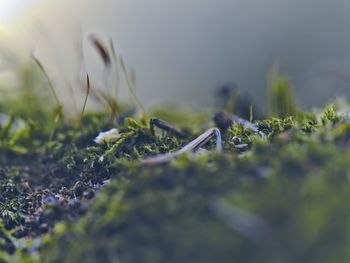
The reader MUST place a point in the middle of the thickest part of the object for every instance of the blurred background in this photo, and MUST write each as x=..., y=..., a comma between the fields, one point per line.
x=182, y=50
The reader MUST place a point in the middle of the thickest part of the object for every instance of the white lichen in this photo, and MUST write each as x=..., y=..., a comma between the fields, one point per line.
x=107, y=136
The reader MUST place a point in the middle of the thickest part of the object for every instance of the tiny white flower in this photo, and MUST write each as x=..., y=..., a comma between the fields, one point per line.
x=108, y=136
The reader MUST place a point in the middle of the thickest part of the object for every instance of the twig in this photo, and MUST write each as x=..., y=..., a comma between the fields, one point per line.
x=166, y=127
x=192, y=146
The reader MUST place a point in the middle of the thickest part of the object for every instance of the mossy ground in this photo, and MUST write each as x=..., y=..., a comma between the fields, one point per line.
x=277, y=195
x=277, y=192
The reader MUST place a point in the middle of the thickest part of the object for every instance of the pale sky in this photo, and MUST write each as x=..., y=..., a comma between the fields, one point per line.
x=182, y=49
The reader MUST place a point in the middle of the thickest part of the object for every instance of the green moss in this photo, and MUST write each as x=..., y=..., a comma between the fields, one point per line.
x=283, y=199
x=278, y=192
x=281, y=99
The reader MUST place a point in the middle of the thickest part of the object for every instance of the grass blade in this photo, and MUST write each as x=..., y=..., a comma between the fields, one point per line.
x=86, y=96
x=43, y=70
x=102, y=50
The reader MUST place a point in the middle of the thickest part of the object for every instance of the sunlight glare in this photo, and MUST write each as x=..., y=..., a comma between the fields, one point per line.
x=10, y=10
